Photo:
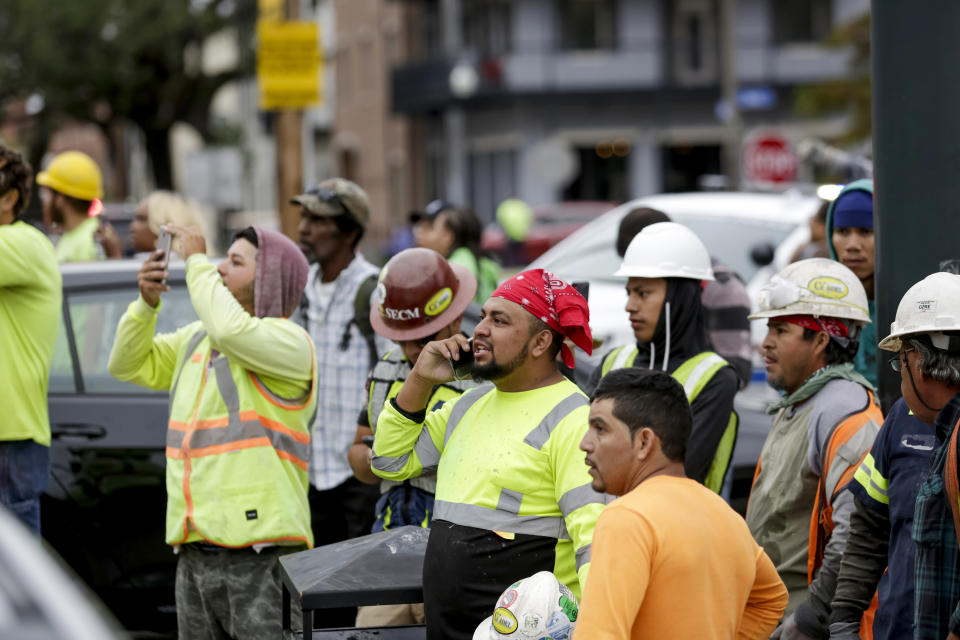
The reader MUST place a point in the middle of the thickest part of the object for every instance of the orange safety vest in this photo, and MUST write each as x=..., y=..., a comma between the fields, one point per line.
x=821, y=518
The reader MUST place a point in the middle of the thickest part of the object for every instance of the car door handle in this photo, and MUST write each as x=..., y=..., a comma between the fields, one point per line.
x=78, y=430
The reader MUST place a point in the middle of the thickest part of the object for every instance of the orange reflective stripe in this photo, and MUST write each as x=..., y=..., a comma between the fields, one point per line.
x=289, y=457
x=273, y=425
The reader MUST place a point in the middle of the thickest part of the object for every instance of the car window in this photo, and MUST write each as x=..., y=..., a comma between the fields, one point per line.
x=94, y=316
x=731, y=241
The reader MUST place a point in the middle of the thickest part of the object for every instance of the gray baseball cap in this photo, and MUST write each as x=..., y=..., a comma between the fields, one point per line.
x=335, y=196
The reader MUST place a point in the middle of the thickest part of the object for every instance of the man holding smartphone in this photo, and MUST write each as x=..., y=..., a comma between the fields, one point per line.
x=513, y=493
x=242, y=383
x=420, y=298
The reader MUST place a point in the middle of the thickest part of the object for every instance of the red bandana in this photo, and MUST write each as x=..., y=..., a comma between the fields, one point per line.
x=830, y=326
x=549, y=298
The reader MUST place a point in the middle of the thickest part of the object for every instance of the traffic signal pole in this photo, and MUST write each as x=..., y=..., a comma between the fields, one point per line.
x=916, y=149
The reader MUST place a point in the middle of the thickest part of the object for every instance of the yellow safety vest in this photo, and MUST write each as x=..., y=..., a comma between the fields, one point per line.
x=386, y=380
x=694, y=374
x=237, y=455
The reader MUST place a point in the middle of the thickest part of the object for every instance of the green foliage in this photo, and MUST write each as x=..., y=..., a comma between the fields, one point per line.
x=852, y=94
x=103, y=60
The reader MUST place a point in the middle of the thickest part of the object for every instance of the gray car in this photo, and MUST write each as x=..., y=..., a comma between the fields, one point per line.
x=104, y=510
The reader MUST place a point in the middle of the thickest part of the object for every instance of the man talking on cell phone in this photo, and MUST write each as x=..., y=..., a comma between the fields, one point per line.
x=513, y=493
x=242, y=383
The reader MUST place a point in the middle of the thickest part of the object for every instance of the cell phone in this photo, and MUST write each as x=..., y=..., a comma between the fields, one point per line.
x=463, y=366
x=164, y=241
x=583, y=288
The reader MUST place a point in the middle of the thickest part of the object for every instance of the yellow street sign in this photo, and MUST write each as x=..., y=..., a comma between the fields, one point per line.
x=289, y=64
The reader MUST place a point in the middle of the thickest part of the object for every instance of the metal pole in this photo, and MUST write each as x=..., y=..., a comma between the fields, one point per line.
x=288, y=136
x=728, y=90
x=916, y=146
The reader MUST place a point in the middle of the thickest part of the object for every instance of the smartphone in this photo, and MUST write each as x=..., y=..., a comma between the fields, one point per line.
x=163, y=244
x=463, y=366
x=583, y=288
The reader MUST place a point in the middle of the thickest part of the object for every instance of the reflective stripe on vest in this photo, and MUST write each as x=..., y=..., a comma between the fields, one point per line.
x=506, y=516
x=694, y=374
x=247, y=420
x=872, y=480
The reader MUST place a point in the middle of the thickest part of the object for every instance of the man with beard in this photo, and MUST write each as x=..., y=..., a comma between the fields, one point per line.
x=666, y=265
x=242, y=382
x=335, y=311
x=513, y=493
x=799, y=509
x=70, y=187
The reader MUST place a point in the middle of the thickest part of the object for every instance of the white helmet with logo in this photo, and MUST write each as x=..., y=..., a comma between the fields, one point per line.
x=814, y=287
x=931, y=307
x=666, y=250
x=535, y=608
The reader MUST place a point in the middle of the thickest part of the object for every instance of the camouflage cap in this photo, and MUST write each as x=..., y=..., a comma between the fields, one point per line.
x=334, y=196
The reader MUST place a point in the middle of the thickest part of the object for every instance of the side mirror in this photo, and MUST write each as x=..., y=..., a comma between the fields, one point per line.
x=762, y=254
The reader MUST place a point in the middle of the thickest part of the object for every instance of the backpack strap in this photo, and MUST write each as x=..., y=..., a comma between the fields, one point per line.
x=361, y=318
x=950, y=480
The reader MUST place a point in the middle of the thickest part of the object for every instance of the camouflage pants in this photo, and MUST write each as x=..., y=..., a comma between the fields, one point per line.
x=230, y=594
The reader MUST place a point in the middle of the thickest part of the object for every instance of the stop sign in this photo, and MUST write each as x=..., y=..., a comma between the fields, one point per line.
x=768, y=157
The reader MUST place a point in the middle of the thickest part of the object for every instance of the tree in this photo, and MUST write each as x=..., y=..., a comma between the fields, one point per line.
x=115, y=60
x=851, y=94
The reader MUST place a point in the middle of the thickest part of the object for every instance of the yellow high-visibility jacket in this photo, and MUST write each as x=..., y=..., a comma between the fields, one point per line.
x=242, y=401
x=505, y=462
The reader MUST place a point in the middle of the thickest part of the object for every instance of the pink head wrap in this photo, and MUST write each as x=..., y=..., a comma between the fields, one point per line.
x=281, y=275
x=554, y=301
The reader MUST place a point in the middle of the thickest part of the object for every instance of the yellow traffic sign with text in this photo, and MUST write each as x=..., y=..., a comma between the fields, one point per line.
x=289, y=64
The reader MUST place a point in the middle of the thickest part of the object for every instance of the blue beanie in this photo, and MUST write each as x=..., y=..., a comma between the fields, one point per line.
x=853, y=209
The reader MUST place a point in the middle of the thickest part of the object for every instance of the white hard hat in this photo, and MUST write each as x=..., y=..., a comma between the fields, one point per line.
x=666, y=250
x=535, y=608
x=931, y=307
x=815, y=287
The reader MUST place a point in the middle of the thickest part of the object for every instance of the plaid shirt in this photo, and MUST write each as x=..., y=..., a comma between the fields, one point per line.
x=342, y=368
x=938, y=557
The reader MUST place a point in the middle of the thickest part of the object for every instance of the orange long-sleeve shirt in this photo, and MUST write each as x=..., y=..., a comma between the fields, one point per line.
x=671, y=559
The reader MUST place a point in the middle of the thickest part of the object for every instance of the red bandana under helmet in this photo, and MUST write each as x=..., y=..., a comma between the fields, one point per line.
x=554, y=301
x=830, y=326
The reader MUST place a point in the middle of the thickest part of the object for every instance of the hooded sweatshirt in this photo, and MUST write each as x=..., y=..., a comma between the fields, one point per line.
x=865, y=362
x=679, y=336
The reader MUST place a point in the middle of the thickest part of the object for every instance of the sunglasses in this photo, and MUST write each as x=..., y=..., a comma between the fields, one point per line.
x=329, y=196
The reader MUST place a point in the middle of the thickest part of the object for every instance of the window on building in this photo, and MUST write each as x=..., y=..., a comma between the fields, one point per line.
x=588, y=24
x=683, y=166
x=486, y=26
x=799, y=21
x=694, y=38
x=603, y=173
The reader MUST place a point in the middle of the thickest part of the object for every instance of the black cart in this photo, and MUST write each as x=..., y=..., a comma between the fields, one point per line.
x=381, y=568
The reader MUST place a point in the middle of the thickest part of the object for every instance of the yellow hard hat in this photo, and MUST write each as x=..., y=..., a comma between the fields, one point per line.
x=74, y=174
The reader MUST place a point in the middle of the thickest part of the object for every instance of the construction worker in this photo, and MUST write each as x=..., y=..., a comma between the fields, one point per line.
x=30, y=305
x=880, y=552
x=513, y=494
x=726, y=303
x=72, y=188
x=850, y=240
x=665, y=265
x=420, y=298
x=667, y=539
x=243, y=391
x=826, y=421
x=926, y=339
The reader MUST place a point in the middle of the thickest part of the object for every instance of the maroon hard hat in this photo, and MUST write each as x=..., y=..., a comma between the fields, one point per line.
x=419, y=293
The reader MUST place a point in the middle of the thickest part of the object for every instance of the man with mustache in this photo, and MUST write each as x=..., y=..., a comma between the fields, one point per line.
x=513, y=494
x=826, y=421
x=667, y=539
